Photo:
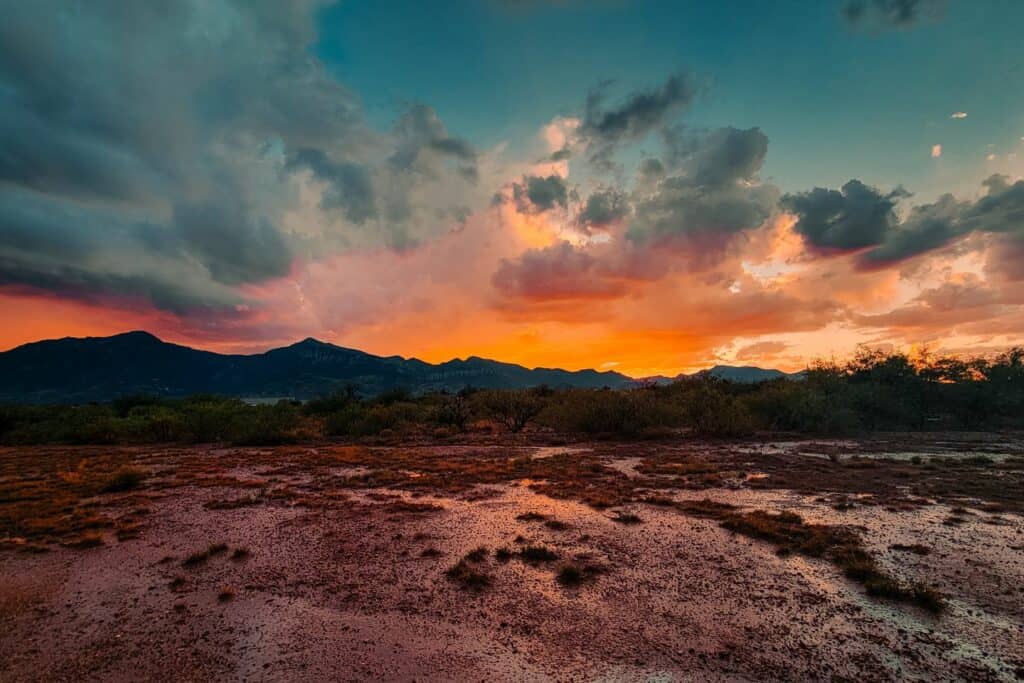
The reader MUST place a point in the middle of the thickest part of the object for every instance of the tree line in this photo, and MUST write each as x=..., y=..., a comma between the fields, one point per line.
x=873, y=391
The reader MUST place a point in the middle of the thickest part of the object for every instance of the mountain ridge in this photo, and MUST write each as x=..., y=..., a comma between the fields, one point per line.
x=84, y=369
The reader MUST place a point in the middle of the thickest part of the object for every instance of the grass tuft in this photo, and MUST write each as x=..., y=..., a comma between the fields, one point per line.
x=537, y=553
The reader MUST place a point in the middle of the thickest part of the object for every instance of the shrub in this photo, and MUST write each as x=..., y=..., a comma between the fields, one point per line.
x=514, y=409
x=603, y=411
x=125, y=479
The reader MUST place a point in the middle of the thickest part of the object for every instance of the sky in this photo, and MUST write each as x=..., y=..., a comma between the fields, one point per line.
x=649, y=187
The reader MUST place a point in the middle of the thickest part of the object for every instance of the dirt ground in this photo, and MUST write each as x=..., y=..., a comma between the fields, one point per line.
x=486, y=559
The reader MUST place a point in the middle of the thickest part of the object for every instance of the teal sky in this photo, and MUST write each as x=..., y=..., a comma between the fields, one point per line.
x=836, y=101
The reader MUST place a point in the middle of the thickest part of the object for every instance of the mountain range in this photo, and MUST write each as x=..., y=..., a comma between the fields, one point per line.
x=73, y=370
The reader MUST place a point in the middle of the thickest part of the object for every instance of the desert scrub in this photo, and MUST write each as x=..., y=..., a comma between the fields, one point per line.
x=86, y=540
x=201, y=556
x=124, y=479
x=477, y=555
x=537, y=553
x=468, y=577
x=531, y=517
x=790, y=534
x=570, y=575
x=626, y=518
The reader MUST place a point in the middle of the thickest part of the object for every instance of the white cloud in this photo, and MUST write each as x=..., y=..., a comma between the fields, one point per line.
x=936, y=151
x=958, y=115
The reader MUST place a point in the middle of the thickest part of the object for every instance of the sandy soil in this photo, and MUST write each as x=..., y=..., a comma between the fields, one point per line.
x=342, y=574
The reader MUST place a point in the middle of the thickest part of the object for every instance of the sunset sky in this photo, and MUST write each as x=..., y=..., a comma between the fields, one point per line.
x=650, y=187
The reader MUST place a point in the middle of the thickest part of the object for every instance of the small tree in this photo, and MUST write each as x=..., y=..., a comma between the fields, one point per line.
x=512, y=408
x=455, y=411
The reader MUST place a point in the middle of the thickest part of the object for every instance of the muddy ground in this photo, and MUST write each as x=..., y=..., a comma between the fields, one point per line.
x=896, y=558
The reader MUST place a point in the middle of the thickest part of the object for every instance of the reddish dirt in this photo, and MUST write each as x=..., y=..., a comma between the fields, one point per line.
x=348, y=547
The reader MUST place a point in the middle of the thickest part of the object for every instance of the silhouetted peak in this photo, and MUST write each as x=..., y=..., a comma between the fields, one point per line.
x=137, y=336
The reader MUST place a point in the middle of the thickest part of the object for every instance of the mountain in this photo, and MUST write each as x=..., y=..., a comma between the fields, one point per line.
x=741, y=374
x=748, y=374
x=73, y=370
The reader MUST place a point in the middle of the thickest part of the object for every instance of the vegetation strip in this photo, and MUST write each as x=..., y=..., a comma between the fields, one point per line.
x=790, y=534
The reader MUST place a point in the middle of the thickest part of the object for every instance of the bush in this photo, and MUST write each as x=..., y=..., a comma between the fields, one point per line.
x=512, y=408
x=372, y=419
x=711, y=410
x=603, y=411
x=125, y=479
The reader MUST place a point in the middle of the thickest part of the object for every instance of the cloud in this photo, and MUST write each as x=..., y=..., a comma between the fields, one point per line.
x=560, y=271
x=859, y=217
x=760, y=350
x=958, y=115
x=854, y=217
x=961, y=303
x=605, y=128
x=536, y=193
x=936, y=151
x=602, y=208
x=713, y=191
x=350, y=184
x=930, y=226
x=891, y=13
x=183, y=185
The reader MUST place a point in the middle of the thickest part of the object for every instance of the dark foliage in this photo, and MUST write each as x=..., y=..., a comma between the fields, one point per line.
x=873, y=391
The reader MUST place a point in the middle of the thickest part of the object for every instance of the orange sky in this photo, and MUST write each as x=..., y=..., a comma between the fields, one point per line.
x=582, y=303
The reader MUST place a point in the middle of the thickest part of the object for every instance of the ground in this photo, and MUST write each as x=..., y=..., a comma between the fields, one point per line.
x=492, y=558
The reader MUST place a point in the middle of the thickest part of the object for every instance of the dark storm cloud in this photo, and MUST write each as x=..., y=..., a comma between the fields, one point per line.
x=423, y=142
x=539, y=193
x=155, y=150
x=727, y=155
x=999, y=211
x=86, y=252
x=890, y=13
x=854, y=217
x=859, y=217
x=603, y=208
x=604, y=128
x=709, y=187
x=563, y=154
x=350, y=186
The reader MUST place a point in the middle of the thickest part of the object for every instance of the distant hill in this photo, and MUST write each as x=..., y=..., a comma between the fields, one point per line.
x=741, y=374
x=103, y=368
x=749, y=374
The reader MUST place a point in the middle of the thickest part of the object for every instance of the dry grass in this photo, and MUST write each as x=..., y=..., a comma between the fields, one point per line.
x=535, y=554
x=199, y=557
x=790, y=534
x=124, y=479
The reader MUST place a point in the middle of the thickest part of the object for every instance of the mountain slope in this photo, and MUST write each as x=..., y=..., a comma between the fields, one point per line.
x=103, y=368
